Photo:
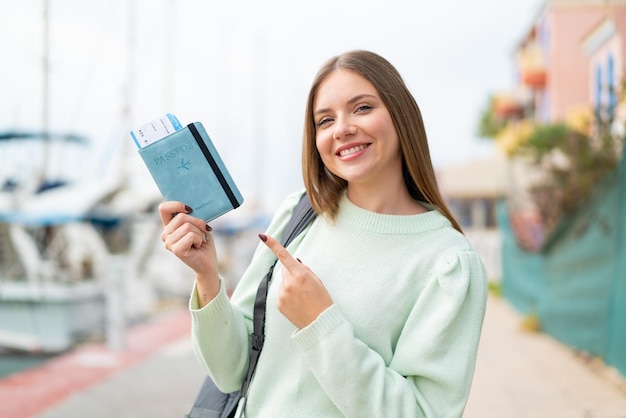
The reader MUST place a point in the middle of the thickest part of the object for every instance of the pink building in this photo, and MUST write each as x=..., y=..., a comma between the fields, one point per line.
x=572, y=55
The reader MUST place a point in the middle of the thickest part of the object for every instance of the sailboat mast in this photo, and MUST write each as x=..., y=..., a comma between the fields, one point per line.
x=46, y=91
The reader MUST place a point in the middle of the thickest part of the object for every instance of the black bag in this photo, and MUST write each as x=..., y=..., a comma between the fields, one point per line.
x=211, y=402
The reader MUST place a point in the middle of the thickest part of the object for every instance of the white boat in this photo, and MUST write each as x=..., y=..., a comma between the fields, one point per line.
x=66, y=260
x=53, y=265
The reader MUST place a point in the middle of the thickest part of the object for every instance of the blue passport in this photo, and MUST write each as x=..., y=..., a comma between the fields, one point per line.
x=186, y=167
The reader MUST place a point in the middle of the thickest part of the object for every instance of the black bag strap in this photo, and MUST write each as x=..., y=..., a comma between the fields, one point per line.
x=218, y=173
x=303, y=215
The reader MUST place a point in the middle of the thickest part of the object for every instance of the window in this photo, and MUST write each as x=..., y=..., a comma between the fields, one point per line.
x=612, y=102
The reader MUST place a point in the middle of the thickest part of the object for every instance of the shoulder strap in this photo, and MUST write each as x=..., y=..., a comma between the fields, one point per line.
x=303, y=215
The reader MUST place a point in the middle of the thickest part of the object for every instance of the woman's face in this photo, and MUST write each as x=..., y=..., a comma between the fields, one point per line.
x=355, y=135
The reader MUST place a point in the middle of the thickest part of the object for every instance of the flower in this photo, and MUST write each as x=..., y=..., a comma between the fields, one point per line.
x=514, y=134
x=579, y=119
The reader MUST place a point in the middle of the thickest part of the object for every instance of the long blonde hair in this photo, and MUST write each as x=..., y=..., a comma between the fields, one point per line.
x=324, y=188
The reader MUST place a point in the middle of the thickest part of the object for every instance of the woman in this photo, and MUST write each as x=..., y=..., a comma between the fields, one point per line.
x=378, y=307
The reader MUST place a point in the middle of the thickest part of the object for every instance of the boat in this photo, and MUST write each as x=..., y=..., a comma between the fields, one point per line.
x=52, y=258
x=65, y=252
x=80, y=256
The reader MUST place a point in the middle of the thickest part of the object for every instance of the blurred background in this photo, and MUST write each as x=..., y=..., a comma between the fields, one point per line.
x=243, y=68
x=523, y=107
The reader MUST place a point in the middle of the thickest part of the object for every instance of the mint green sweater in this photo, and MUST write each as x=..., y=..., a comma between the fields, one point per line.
x=400, y=340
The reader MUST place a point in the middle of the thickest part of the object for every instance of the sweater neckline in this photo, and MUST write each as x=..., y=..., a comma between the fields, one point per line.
x=359, y=218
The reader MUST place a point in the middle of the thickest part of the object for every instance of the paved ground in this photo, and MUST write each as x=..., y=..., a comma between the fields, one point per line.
x=523, y=374
x=155, y=376
x=164, y=385
x=519, y=375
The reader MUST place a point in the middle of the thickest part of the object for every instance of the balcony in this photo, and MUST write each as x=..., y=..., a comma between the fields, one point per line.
x=507, y=106
x=535, y=78
x=532, y=66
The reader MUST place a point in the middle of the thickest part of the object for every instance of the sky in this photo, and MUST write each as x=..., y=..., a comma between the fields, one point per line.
x=243, y=69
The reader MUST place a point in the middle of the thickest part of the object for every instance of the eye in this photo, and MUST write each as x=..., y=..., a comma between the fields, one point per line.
x=363, y=108
x=324, y=121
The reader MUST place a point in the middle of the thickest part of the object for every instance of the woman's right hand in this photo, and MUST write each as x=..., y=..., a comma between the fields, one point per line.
x=190, y=239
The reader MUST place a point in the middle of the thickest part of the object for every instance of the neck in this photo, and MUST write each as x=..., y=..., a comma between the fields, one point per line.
x=391, y=200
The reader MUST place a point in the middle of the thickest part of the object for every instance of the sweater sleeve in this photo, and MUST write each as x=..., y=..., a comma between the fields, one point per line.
x=433, y=363
x=219, y=340
x=220, y=332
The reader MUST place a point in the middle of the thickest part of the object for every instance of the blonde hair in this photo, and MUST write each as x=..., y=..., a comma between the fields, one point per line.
x=326, y=189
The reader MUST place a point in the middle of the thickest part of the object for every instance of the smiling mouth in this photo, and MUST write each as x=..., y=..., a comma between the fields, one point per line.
x=353, y=150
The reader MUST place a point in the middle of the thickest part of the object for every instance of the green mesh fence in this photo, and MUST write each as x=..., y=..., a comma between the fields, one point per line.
x=616, y=346
x=577, y=285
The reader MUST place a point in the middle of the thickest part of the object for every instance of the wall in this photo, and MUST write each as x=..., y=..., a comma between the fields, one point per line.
x=577, y=284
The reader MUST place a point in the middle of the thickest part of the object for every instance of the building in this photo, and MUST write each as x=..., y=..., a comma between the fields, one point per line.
x=571, y=56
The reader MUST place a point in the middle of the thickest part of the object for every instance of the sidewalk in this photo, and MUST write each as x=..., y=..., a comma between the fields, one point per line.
x=522, y=374
x=155, y=375
x=518, y=375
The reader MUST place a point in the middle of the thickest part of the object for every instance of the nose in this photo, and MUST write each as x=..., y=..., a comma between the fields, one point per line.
x=343, y=128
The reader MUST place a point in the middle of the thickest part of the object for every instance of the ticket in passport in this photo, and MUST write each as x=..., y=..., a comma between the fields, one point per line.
x=154, y=130
x=186, y=167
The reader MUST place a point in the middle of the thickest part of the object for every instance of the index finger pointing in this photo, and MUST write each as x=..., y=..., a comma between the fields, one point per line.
x=281, y=253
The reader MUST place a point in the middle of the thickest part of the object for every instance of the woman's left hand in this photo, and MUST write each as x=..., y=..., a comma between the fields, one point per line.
x=302, y=296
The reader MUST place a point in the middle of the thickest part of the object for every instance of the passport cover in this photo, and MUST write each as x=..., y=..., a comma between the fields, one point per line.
x=186, y=167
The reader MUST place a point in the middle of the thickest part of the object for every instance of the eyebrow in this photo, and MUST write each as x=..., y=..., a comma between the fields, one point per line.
x=351, y=101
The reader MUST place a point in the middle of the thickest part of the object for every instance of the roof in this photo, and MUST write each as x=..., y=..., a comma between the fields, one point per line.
x=486, y=177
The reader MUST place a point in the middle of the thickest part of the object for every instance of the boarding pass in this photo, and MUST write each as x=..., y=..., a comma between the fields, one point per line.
x=154, y=130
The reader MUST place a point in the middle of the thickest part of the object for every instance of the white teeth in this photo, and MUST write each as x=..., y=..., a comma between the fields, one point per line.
x=352, y=150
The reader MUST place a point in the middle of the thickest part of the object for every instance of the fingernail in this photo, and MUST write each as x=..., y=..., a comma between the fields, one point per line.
x=299, y=261
x=188, y=209
x=208, y=227
x=263, y=237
